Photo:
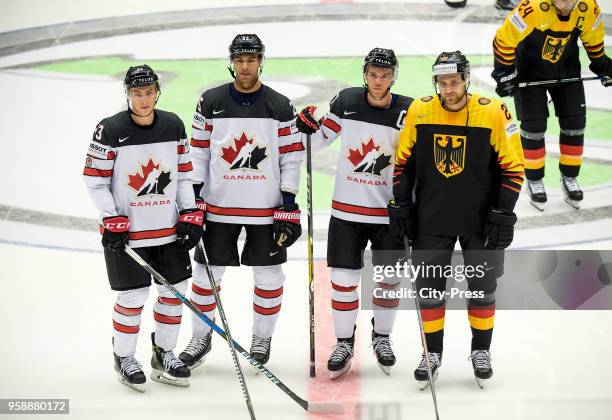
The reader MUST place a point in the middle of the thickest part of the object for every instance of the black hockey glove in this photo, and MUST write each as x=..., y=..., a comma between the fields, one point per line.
x=401, y=220
x=287, y=228
x=603, y=68
x=190, y=228
x=306, y=122
x=507, y=82
x=499, y=229
x=116, y=234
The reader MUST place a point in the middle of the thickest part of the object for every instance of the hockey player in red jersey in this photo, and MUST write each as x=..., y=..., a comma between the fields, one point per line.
x=247, y=155
x=137, y=172
x=369, y=120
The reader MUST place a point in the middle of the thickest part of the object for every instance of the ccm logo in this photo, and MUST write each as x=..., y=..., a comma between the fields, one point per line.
x=117, y=226
x=192, y=219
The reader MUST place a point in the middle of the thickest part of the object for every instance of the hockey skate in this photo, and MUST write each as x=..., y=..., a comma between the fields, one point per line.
x=195, y=353
x=537, y=194
x=421, y=375
x=129, y=372
x=260, y=349
x=571, y=191
x=167, y=368
x=381, y=345
x=339, y=361
x=481, y=362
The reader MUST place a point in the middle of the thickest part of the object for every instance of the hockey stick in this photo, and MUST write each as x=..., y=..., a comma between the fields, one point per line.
x=423, y=339
x=312, y=407
x=557, y=81
x=230, y=341
x=310, y=257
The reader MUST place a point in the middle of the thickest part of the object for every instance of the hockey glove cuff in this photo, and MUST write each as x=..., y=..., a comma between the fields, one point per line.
x=306, y=122
x=499, y=229
x=116, y=233
x=190, y=228
x=286, y=227
x=507, y=81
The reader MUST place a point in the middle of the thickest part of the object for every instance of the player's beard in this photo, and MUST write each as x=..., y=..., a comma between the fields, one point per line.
x=247, y=84
x=454, y=100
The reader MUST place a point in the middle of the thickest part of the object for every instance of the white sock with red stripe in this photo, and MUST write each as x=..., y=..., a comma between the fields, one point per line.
x=345, y=300
x=167, y=312
x=126, y=320
x=267, y=298
x=385, y=310
x=203, y=298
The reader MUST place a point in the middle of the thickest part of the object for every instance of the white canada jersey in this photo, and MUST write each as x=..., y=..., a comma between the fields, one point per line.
x=143, y=173
x=364, y=177
x=245, y=155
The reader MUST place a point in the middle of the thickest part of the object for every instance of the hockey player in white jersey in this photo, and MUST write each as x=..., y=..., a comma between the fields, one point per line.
x=247, y=154
x=137, y=172
x=369, y=120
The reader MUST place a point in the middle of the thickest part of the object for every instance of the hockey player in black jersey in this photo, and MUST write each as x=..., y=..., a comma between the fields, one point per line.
x=247, y=156
x=137, y=172
x=369, y=119
x=458, y=174
x=539, y=41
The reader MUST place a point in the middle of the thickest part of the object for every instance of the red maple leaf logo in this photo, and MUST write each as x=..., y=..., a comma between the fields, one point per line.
x=229, y=154
x=138, y=179
x=355, y=156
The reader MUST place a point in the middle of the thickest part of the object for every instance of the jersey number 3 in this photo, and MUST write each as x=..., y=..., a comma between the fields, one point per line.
x=98, y=132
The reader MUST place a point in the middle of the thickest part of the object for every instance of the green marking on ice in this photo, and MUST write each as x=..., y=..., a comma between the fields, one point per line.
x=186, y=79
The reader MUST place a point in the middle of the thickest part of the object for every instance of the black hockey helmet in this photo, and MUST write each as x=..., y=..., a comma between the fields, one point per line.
x=246, y=44
x=141, y=75
x=381, y=57
x=451, y=63
x=138, y=76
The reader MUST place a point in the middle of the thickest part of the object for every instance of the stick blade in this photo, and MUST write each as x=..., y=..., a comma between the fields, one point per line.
x=325, y=408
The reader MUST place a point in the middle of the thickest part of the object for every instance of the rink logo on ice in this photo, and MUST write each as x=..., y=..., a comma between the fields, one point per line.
x=449, y=154
x=149, y=179
x=368, y=158
x=554, y=47
x=243, y=154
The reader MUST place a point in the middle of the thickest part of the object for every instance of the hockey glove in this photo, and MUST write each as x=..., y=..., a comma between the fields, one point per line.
x=499, y=229
x=401, y=220
x=116, y=234
x=306, y=122
x=603, y=68
x=190, y=228
x=287, y=228
x=507, y=82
